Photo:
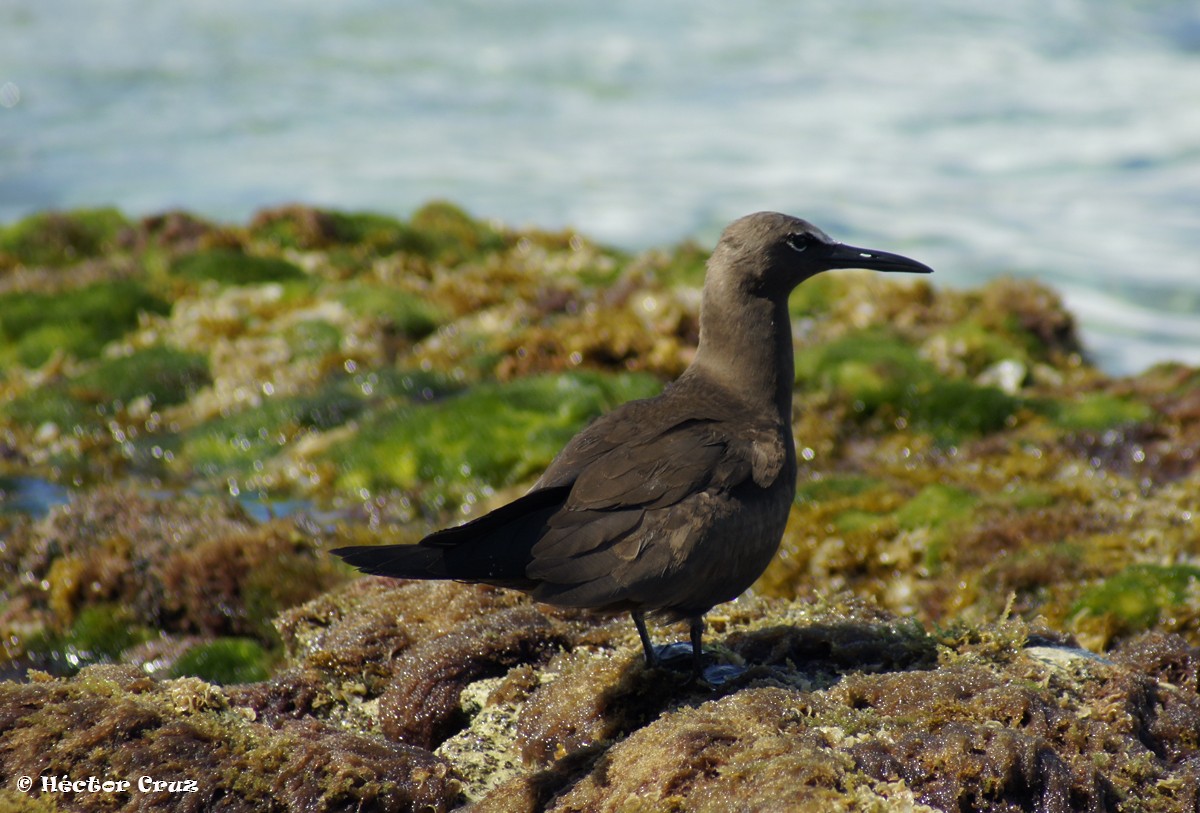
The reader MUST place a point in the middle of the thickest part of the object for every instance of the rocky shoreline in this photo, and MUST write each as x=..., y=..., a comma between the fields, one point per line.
x=988, y=596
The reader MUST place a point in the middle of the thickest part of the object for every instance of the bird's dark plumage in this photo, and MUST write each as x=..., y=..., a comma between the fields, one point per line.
x=673, y=504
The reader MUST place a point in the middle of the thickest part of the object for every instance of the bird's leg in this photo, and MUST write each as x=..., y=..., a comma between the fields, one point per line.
x=697, y=631
x=639, y=618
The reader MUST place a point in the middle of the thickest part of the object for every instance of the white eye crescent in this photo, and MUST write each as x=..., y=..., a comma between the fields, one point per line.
x=799, y=242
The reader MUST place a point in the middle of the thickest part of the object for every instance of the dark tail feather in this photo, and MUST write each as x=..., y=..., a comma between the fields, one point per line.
x=397, y=561
x=520, y=517
x=494, y=549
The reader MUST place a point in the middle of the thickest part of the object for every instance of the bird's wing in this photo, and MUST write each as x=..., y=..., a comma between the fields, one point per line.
x=630, y=431
x=622, y=498
x=659, y=470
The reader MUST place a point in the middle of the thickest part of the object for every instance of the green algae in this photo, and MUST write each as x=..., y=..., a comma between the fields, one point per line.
x=1141, y=594
x=307, y=229
x=494, y=434
x=99, y=633
x=1097, y=412
x=313, y=338
x=451, y=236
x=438, y=232
x=856, y=520
x=79, y=321
x=403, y=312
x=940, y=508
x=161, y=375
x=104, y=632
x=881, y=376
x=979, y=346
x=225, y=661
x=936, y=505
x=231, y=267
x=239, y=441
x=937, y=509
x=871, y=368
x=815, y=297
x=683, y=265
x=1028, y=497
x=951, y=409
x=836, y=486
x=60, y=238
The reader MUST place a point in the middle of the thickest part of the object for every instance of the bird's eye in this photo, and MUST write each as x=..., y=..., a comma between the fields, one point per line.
x=799, y=242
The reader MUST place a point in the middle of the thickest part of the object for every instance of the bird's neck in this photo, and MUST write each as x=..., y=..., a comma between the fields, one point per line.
x=746, y=344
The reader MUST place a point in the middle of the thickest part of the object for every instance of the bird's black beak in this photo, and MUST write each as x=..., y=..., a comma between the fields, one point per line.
x=843, y=256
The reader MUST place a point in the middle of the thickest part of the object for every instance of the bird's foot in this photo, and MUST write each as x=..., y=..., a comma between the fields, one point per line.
x=679, y=657
x=718, y=674
x=673, y=656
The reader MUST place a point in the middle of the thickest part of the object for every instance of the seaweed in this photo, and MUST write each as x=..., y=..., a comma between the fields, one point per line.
x=60, y=238
x=232, y=267
x=79, y=321
x=493, y=435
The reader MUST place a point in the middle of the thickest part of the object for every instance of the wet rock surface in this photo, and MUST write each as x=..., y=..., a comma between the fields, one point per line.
x=988, y=596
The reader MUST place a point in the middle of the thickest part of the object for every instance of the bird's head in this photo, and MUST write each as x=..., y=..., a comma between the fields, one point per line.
x=769, y=254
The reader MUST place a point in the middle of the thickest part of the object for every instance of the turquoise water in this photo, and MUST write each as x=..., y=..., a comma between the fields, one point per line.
x=1051, y=139
x=30, y=495
x=36, y=497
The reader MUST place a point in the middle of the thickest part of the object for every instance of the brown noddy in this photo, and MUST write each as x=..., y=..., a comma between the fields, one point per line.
x=672, y=504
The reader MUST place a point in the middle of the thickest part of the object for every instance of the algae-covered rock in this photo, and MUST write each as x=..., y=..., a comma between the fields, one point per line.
x=987, y=597
x=145, y=380
x=35, y=325
x=180, y=745
x=228, y=267
x=116, y=567
x=59, y=238
x=492, y=435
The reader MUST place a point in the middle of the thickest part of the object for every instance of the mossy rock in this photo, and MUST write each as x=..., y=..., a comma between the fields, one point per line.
x=1096, y=412
x=451, y=236
x=61, y=238
x=225, y=661
x=836, y=486
x=685, y=264
x=407, y=314
x=103, y=632
x=346, y=234
x=815, y=296
x=99, y=633
x=243, y=440
x=161, y=374
x=880, y=375
x=869, y=368
x=313, y=338
x=979, y=347
x=1139, y=595
x=78, y=322
x=438, y=231
x=950, y=409
x=495, y=434
x=228, y=266
x=935, y=506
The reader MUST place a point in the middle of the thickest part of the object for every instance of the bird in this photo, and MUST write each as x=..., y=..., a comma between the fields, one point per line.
x=674, y=504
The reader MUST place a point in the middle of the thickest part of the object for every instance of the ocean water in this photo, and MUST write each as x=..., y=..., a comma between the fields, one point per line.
x=1050, y=139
